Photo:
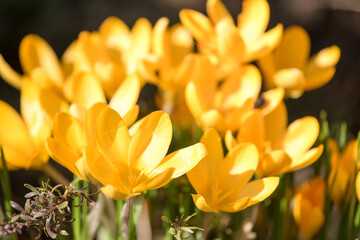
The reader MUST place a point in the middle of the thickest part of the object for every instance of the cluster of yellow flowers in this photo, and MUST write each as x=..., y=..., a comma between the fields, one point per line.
x=82, y=110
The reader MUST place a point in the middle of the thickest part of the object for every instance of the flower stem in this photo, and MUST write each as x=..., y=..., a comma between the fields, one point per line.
x=125, y=218
x=206, y=225
x=84, y=212
x=76, y=212
x=119, y=207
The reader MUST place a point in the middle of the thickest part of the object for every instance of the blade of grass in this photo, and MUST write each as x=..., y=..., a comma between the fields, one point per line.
x=84, y=212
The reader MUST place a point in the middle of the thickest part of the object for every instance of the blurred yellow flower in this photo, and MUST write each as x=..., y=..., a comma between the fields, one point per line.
x=124, y=161
x=222, y=184
x=23, y=137
x=223, y=106
x=170, y=67
x=35, y=55
x=289, y=65
x=281, y=150
x=227, y=44
x=343, y=169
x=309, y=207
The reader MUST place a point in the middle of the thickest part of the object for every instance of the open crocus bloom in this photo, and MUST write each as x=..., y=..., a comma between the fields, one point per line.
x=281, y=150
x=343, y=167
x=309, y=204
x=289, y=65
x=226, y=43
x=222, y=184
x=23, y=137
x=124, y=161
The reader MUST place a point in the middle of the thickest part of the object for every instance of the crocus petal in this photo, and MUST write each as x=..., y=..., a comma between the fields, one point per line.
x=155, y=180
x=87, y=90
x=243, y=84
x=253, y=129
x=212, y=119
x=90, y=118
x=294, y=50
x=197, y=23
x=196, y=105
x=52, y=103
x=253, y=19
x=272, y=99
x=320, y=68
x=36, y=53
x=14, y=137
x=126, y=95
x=206, y=171
x=229, y=42
x=276, y=123
x=150, y=142
x=139, y=44
x=181, y=43
x=235, y=118
x=218, y=12
x=33, y=113
x=131, y=116
x=69, y=131
x=260, y=189
x=236, y=206
x=113, y=138
x=300, y=136
x=264, y=44
x=201, y=204
x=230, y=141
x=309, y=158
x=116, y=193
x=292, y=80
x=64, y=155
x=160, y=44
x=103, y=169
x=183, y=160
x=8, y=74
x=238, y=167
x=115, y=32
x=268, y=69
x=274, y=163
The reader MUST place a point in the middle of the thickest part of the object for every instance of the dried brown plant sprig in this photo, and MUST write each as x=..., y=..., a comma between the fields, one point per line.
x=180, y=225
x=46, y=210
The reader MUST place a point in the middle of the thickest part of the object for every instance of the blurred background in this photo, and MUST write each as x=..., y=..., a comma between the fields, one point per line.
x=328, y=22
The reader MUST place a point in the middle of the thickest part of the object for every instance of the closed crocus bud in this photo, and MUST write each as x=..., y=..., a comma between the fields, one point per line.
x=309, y=207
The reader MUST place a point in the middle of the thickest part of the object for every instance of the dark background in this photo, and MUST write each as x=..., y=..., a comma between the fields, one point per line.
x=327, y=21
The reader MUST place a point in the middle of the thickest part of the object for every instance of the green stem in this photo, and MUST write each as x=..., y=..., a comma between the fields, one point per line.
x=125, y=218
x=84, y=212
x=357, y=221
x=119, y=207
x=5, y=184
x=76, y=212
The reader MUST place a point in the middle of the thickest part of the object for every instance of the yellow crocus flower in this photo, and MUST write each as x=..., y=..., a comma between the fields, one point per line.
x=223, y=107
x=290, y=67
x=222, y=184
x=23, y=136
x=228, y=44
x=124, y=161
x=343, y=167
x=281, y=149
x=170, y=67
x=309, y=204
x=35, y=54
